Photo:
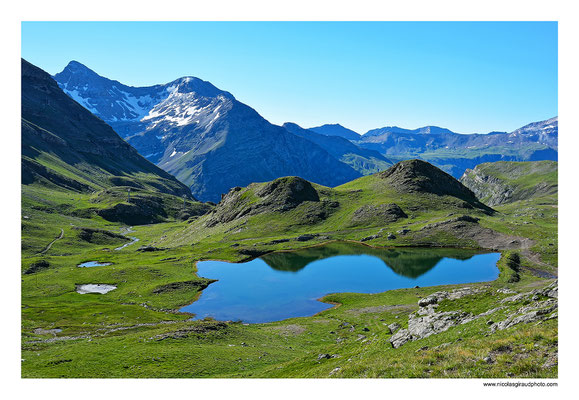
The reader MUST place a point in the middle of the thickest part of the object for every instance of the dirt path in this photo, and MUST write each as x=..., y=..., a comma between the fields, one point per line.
x=51, y=243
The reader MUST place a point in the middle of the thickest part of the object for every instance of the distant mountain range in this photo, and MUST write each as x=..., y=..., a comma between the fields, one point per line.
x=365, y=161
x=336, y=130
x=200, y=134
x=212, y=142
x=454, y=152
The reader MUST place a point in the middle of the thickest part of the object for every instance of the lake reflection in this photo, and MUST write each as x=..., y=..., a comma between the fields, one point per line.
x=283, y=285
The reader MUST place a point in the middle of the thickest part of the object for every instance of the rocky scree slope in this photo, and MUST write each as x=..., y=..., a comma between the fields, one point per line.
x=201, y=134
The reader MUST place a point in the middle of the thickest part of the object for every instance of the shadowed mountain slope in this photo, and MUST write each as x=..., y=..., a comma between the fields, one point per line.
x=363, y=160
x=65, y=145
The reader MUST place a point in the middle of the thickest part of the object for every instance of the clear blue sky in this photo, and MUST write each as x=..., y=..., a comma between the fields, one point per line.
x=468, y=76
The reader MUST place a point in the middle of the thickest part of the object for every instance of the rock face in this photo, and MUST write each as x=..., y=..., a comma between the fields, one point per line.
x=200, y=134
x=280, y=195
x=506, y=182
x=92, y=153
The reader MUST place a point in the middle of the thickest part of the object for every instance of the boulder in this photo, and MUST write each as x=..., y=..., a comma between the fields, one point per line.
x=394, y=327
x=305, y=238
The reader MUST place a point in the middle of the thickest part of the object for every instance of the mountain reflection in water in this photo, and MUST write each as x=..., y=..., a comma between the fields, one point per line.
x=287, y=284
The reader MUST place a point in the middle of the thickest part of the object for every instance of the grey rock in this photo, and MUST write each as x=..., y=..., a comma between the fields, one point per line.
x=535, y=312
x=515, y=298
x=428, y=301
x=506, y=291
x=305, y=238
x=400, y=337
x=394, y=327
x=420, y=327
x=551, y=291
x=371, y=237
x=434, y=298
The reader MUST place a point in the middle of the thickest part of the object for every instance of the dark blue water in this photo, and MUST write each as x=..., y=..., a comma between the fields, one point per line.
x=287, y=284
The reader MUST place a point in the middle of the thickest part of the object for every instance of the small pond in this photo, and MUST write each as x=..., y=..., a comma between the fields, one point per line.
x=283, y=285
x=98, y=288
x=89, y=264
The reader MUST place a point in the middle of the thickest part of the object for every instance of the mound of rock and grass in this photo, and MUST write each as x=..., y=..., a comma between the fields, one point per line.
x=99, y=236
x=417, y=176
x=280, y=195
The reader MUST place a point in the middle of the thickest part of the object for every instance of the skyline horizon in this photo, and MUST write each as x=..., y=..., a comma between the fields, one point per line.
x=316, y=126
x=472, y=77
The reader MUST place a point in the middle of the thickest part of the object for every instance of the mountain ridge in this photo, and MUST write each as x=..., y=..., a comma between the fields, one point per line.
x=203, y=135
x=336, y=130
x=63, y=141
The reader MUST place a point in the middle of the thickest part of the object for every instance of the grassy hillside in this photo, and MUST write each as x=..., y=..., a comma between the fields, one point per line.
x=135, y=330
x=506, y=182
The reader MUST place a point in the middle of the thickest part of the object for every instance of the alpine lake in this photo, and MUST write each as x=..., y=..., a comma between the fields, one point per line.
x=289, y=284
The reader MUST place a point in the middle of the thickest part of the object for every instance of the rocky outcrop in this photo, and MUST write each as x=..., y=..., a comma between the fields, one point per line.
x=280, y=195
x=380, y=214
x=427, y=321
x=505, y=182
x=417, y=176
x=203, y=328
x=536, y=311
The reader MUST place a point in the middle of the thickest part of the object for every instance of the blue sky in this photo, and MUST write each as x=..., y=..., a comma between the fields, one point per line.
x=465, y=76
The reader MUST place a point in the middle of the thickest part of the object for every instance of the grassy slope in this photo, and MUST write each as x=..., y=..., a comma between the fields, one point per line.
x=106, y=338
x=369, y=190
x=524, y=179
